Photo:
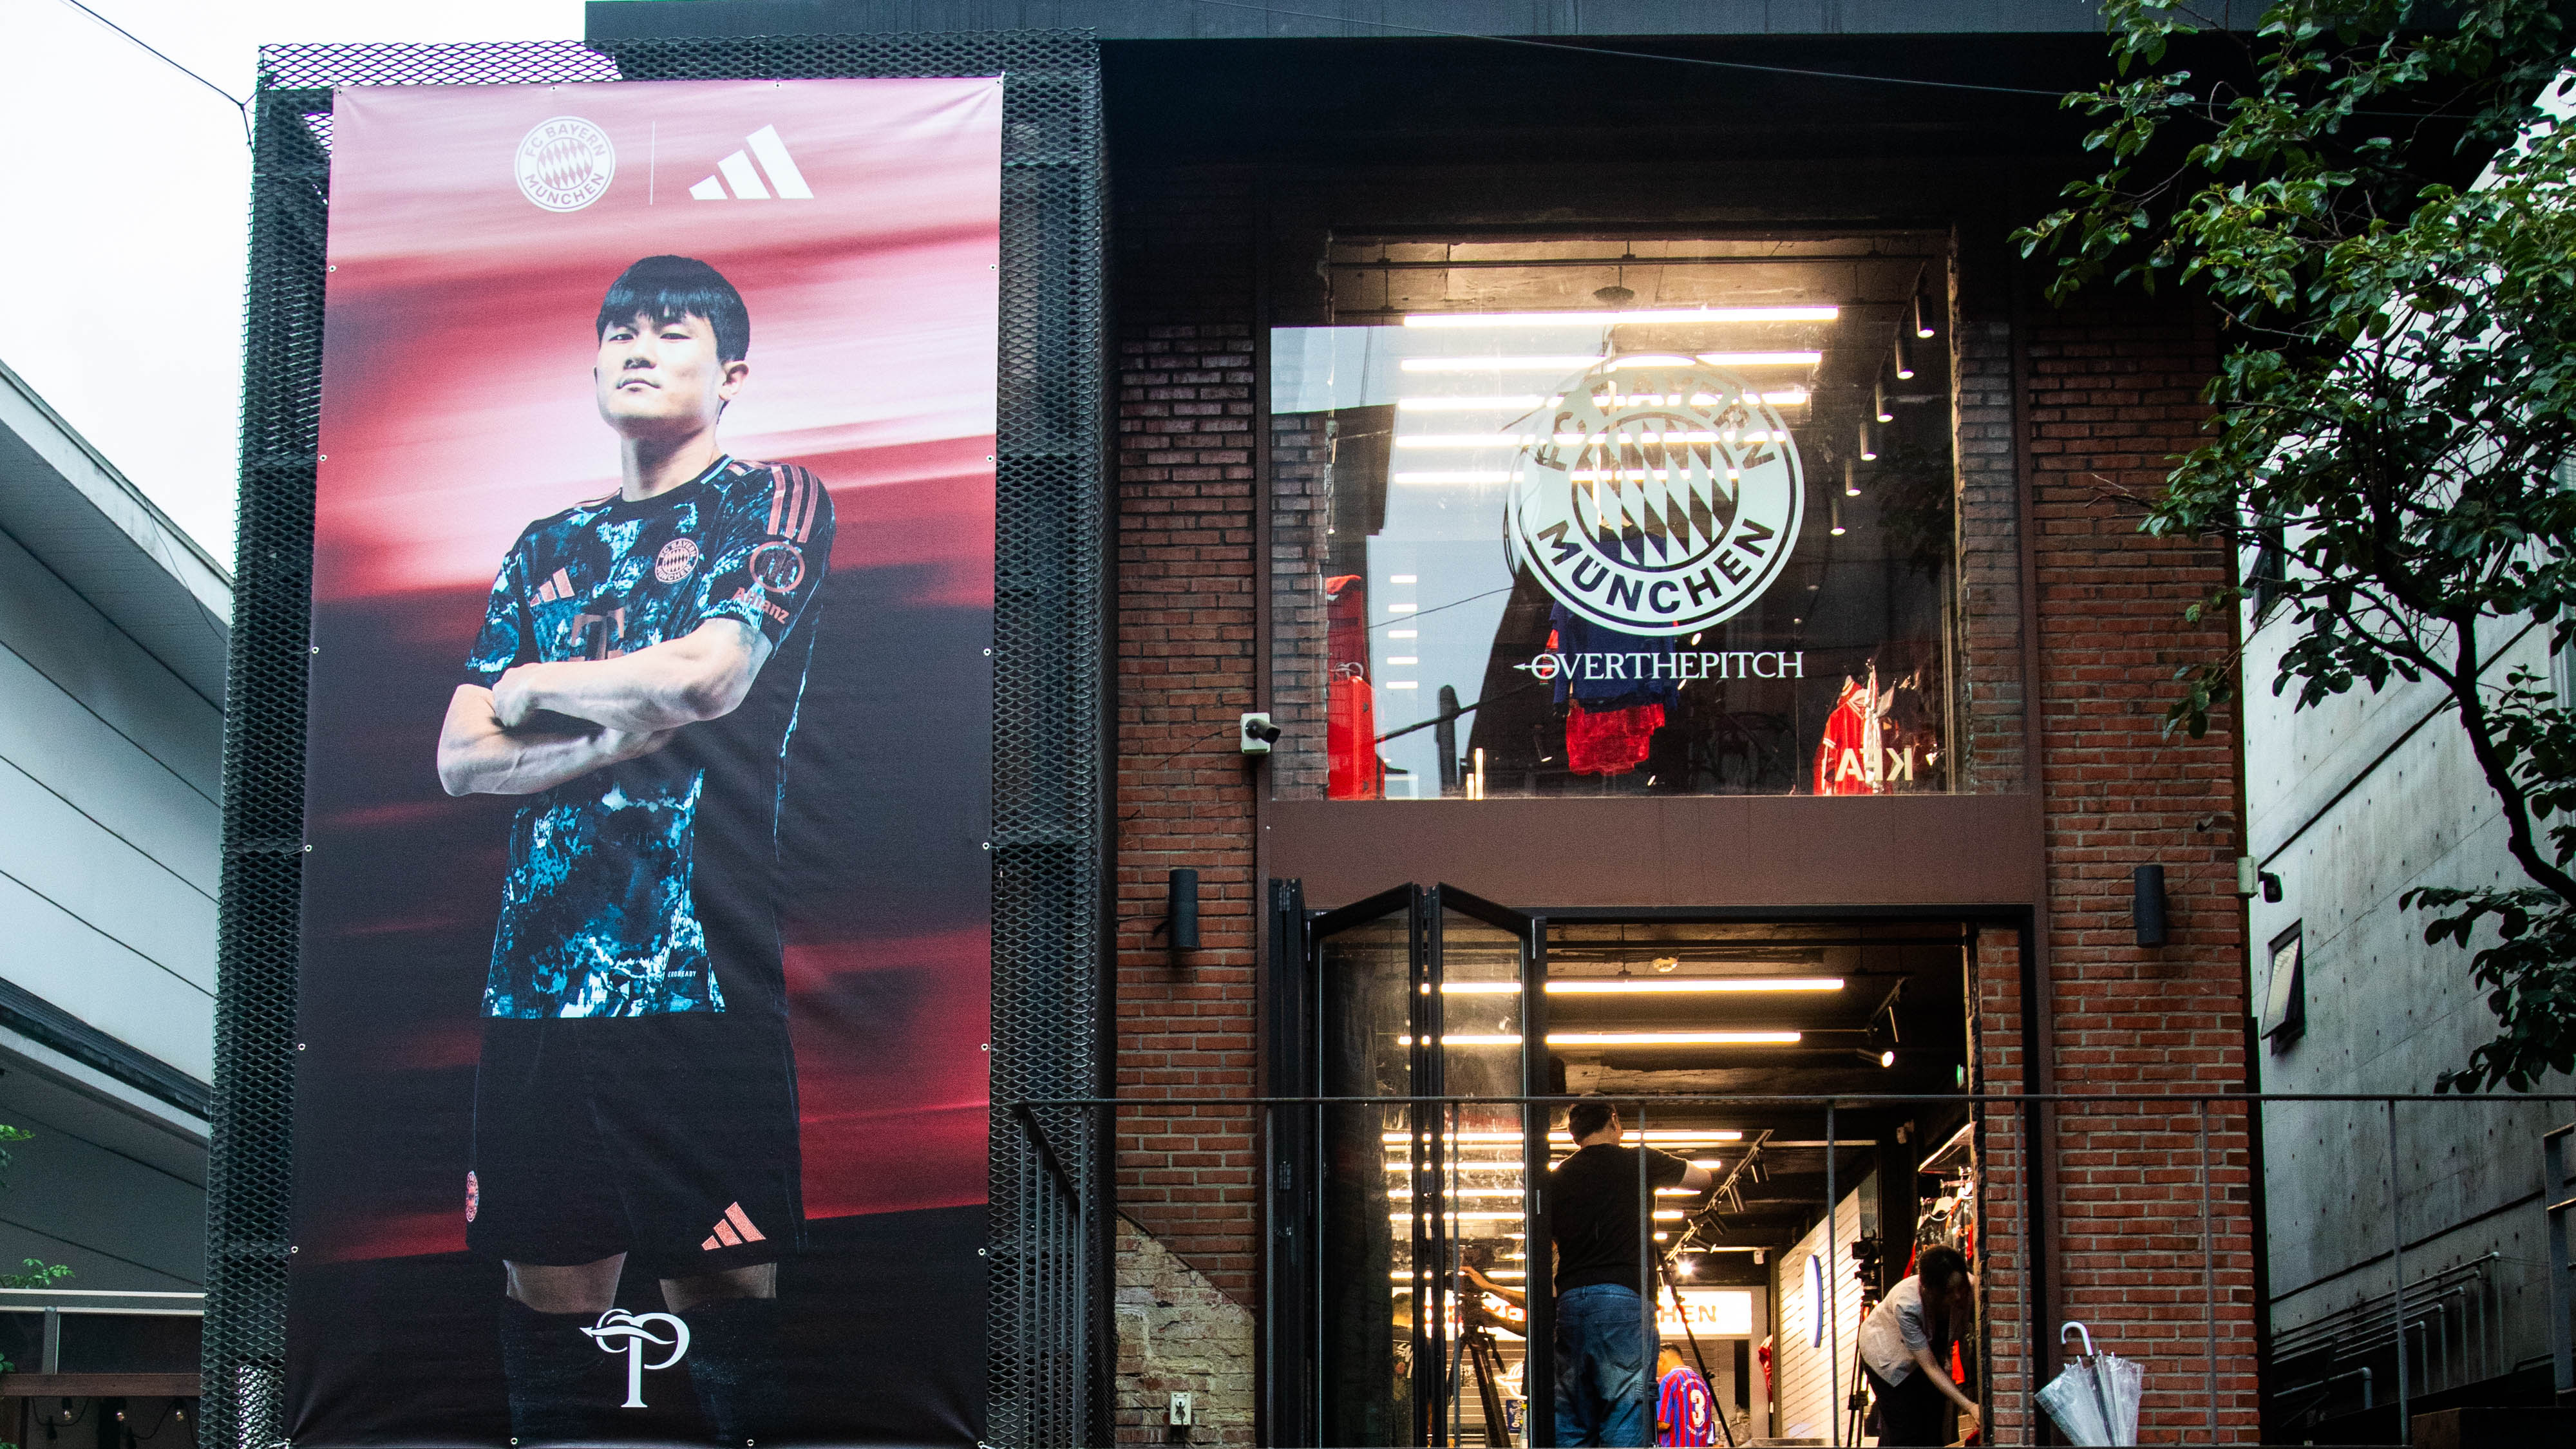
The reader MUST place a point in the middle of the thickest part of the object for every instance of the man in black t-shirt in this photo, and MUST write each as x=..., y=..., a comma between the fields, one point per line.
x=1603, y=1355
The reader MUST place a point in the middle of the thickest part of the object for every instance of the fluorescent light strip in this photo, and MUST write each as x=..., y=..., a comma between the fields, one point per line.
x=1621, y=319
x=1644, y=985
x=1523, y=402
x=1577, y=440
x=1406, y=1193
x=1484, y=1215
x=1621, y=1038
x=1469, y=404
x=1557, y=363
x=1568, y=362
x=1660, y=1134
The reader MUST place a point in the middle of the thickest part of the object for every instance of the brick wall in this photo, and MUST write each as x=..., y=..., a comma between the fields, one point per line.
x=2003, y=1228
x=1178, y=1334
x=1185, y=659
x=2112, y=398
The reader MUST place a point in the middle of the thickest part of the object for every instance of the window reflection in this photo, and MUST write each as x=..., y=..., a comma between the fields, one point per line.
x=1596, y=518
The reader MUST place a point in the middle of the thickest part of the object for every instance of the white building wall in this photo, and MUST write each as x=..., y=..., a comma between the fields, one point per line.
x=1812, y=1377
x=2350, y=804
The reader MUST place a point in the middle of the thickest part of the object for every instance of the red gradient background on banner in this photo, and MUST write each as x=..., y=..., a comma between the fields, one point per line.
x=458, y=407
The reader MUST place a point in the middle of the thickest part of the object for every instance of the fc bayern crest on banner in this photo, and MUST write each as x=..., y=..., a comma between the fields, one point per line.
x=565, y=164
x=1664, y=495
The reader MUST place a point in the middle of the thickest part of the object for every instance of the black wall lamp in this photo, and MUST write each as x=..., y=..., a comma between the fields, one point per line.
x=2147, y=909
x=1181, y=910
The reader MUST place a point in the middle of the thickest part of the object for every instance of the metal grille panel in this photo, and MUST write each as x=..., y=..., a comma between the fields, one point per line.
x=1049, y=1284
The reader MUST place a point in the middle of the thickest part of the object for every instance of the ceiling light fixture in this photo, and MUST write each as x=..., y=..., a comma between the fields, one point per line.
x=1878, y=401
x=1561, y=362
x=1623, y=1038
x=1629, y=985
x=1904, y=356
x=1602, y=319
x=1922, y=318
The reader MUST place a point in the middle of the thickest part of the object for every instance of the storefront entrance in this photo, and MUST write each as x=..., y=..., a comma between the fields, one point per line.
x=1817, y=1068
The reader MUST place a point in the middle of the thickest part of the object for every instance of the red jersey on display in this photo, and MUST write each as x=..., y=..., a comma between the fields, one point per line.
x=1352, y=771
x=1847, y=759
x=1612, y=742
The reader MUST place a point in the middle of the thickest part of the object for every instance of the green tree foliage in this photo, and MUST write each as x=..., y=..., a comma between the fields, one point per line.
x=2397, y=404
x=39, y=1274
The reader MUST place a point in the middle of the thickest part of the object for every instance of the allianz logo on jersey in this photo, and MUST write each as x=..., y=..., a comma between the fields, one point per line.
x=738, y=179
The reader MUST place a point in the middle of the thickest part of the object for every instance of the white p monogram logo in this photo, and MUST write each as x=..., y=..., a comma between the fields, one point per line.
x=618, y=1329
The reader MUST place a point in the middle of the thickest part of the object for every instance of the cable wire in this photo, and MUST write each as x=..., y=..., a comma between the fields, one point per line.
x=157, y=53
x=1892, y=80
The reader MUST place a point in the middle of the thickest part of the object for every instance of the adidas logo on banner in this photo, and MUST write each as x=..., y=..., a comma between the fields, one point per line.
x=732, y=1230
x=785, y=181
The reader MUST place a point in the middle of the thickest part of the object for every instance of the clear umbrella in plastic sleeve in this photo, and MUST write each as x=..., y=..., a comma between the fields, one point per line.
x=2095, y=1398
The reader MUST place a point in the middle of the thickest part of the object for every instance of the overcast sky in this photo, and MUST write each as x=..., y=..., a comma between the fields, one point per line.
x=126, y=246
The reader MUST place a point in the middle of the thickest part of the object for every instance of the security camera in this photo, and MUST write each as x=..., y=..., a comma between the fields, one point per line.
x=1259, y=734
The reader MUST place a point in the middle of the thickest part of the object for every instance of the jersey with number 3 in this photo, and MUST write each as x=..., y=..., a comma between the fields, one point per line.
x=1685, y=1409
x=648, y=886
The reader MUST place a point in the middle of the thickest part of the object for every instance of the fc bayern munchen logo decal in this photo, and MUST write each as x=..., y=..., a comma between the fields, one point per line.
x=1663, y=497
x=566, y=163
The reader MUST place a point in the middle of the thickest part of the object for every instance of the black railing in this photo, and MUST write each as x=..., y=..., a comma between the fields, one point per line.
x=2146, y=1228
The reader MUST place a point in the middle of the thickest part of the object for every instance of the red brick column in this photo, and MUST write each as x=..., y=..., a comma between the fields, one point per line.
x=1186, y=485
x=2004, y=1248
x=2112, y=398
x=1185, y=661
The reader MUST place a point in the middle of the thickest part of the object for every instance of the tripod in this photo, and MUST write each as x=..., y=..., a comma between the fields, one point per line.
x=1485, y=1357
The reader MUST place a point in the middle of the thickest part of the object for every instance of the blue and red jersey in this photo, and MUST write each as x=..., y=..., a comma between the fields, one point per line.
x=1684, y=1408
x=647, y=886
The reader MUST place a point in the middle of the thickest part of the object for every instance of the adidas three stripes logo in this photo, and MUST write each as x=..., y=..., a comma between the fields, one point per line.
x=783, y=180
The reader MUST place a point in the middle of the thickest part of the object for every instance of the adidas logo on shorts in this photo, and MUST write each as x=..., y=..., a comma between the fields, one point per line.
x=732, y=1230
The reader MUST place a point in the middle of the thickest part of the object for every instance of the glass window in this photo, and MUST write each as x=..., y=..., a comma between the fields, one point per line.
x=1623, y=517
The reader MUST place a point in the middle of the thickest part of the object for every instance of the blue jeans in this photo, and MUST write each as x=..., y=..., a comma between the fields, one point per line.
x=1601, y=1368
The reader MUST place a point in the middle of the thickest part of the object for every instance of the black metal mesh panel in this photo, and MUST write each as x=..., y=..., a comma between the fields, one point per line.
x=1049, y=1284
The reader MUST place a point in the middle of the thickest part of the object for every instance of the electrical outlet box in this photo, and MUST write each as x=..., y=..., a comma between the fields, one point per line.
x=1181, y=1411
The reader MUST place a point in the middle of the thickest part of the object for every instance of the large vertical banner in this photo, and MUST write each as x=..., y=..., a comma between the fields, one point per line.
x=642, y=1085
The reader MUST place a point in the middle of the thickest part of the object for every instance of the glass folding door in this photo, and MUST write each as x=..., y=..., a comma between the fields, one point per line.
x=1419, y=997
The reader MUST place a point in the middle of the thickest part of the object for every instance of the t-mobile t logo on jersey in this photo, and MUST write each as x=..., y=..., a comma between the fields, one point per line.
x=631, y=1332
x=785, y=181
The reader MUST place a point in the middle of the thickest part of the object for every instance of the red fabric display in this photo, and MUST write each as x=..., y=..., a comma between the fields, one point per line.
x=1612, y=742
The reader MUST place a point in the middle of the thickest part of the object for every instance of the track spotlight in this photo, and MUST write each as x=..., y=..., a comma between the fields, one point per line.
x=1922, y=318
x=1878, y=401
x=1851, y=481
x=1904, y=353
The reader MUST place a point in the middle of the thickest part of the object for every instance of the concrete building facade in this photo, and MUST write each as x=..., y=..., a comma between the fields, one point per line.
x=113, y=631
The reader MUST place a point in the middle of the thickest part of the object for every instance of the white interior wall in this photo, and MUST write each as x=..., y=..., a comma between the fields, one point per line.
x=1814, y=1376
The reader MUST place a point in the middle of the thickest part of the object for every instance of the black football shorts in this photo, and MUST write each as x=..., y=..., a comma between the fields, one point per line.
x=669, y=1138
